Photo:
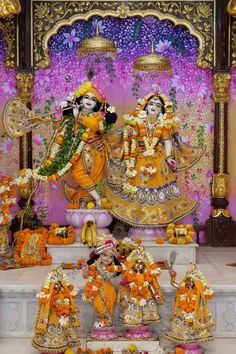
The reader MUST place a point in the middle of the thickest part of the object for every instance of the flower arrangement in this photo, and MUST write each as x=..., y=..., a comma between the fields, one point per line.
x=7, y=198
x=89, y=351
x=159, y=240
x=31, y=247
x=60, y=235
x=180, y=234
x=95, y=280
x=136, y=126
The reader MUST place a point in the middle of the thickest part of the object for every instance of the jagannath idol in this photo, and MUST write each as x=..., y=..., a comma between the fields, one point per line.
x=140, y=294
x=191, y=320
x=78, y=145
x=100, y=269
x=57, y=323
x=141, y=180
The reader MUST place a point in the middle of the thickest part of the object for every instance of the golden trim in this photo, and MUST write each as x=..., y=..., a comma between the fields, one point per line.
x=7, y=26
x=217, y=212
x=24, y=84
x=220, y=185
x=197, y=17
x=222, y=138
x=233, y=42
x=9, y=8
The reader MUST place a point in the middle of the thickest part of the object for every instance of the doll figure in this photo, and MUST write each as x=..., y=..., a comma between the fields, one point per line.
x=141, y=183
x=191, y=320
x=140, y=294
x=102, y=266
x=56, y=327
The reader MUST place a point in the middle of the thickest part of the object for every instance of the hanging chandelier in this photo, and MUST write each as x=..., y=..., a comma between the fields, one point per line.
x=96, y=44
x=152, y=62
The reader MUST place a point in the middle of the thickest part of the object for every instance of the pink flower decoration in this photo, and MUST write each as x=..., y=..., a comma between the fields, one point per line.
x=162, y=46
x=196, y=196
x=209, y=173
x=6, y=146
x=37, y=139
x=185, y=140
x=99, y=90
x=209, y=127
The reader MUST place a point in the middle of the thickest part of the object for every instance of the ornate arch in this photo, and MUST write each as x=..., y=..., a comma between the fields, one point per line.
x=198, y=17
x=7, y=26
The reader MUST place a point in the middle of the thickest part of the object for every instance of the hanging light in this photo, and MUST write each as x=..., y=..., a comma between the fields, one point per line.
x=152, y=62
x=96, y=44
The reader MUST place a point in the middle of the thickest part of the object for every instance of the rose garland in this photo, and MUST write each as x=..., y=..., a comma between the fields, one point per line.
x=54, y=239
x=7, y=198
x=181, y=239
x=23, y=238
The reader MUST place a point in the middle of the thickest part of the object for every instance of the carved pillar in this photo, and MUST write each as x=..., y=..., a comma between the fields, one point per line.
x=219, y=226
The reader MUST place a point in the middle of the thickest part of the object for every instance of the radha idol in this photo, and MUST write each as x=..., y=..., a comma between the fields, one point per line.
x=141, y=179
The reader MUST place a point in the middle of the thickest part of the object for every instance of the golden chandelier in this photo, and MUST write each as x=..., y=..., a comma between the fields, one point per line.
x=152, y=62
x=96, y=44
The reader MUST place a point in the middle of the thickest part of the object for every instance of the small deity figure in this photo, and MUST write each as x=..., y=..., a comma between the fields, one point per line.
x=56, y=327
x=101, y=267
x=141, y=183
x=190, y=320
x=140, y=294
x=78, y=145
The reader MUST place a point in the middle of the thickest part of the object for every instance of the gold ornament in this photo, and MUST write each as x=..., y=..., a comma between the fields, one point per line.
x=221, y=83
x=24, y=83
x=152, y=62
x=9, y=8
x=220, y=185
x=96, y=44
x=4, y=243
x=231, y=7
x=217, y=212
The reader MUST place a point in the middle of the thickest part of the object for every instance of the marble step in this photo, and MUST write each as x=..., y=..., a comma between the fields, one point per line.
x=75, y=251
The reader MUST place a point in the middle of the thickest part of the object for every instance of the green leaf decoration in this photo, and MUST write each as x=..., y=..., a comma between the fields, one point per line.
x=200, y=135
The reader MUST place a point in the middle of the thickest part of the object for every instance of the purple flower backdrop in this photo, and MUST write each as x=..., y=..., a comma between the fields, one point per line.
x=189, y=87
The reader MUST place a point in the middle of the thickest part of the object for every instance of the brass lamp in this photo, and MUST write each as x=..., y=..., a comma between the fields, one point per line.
x=96, y=44
x=152, y=62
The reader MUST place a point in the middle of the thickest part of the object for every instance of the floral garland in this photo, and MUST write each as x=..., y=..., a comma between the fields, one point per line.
x=24, y=237
x=7, y=198
x=54, y=237
x=180, y=234
x=139, y=283
x=95, y=280
x=90, y=351
x=187, y=298
x=136, y=125
x=61, y=302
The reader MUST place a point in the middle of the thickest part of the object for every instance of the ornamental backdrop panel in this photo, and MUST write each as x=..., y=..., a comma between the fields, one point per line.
x=190, y=89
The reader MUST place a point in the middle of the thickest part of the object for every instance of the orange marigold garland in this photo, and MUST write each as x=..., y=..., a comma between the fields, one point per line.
x=180, y=234
x=7, y=198
x=60, y=235
x=31, y=247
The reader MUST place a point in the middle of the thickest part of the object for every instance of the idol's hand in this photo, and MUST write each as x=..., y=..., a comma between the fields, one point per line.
x=172, y=163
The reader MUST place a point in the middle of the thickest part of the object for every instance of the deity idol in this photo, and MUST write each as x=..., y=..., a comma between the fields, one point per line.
x=102, y=266
x=141, y=183
x=191, y=320
x=78, y=144
x=57, y=324
x=140, y=294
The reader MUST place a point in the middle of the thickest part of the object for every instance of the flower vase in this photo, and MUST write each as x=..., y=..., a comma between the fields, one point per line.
x=191, y=348
x=77, y=217
x=103, y=333
x=4, y=241
x=138, y=333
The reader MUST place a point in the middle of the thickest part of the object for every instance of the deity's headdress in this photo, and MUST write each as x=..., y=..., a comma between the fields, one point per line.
x=168, y=105
x=87, y=87
x=107, y=243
